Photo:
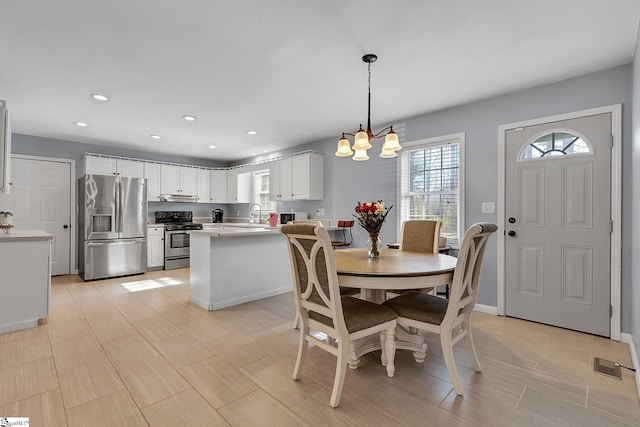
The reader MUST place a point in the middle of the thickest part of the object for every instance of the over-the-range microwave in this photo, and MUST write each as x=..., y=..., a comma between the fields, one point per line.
x=293, y=216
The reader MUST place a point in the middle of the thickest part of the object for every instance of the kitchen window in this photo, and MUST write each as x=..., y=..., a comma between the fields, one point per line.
x=261, y=192
x=432, y=184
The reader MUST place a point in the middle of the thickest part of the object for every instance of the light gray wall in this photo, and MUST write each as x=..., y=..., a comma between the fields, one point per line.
x=634, y=184
x=347, y=182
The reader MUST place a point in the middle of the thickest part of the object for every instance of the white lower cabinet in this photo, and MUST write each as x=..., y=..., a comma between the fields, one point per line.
x=25, y=279
x=155, y=247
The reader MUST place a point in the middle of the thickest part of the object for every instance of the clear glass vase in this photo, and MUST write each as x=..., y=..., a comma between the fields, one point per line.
x=374, y=245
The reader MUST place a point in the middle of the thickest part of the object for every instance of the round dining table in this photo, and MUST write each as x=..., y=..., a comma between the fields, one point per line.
x=393, y=270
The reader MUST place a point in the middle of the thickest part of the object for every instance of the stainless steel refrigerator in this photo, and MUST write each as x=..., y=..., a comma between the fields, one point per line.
x=113, y=226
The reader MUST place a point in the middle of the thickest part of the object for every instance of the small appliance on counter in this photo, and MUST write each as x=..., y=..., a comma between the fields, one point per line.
x=217, y=215
x=176, y=237
x=293, y=216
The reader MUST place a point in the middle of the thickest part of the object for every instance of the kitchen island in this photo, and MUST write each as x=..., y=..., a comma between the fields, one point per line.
x=25, y=278
x=232, y=265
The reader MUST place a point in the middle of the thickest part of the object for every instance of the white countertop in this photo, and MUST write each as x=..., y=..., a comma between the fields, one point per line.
x=24, y=235
x=227, y=231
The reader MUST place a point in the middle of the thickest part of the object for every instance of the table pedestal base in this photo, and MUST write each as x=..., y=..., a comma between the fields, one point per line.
x=405, y=340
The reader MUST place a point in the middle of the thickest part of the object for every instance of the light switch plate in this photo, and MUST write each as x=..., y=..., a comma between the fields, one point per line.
x=488, y=207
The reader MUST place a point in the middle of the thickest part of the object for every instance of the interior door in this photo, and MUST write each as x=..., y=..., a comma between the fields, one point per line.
x=41, y=200
x=558, y=223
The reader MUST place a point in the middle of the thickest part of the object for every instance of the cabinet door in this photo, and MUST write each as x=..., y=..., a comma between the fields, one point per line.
x=170, y=179
x=130, y=168
x=232, y=186
x=204, y=183
x=274, y=180
x=286, y=191
x=218, y=186
x=188, y=181
x=100, y=166
x=152, y=173
x=155, y=250
x=300, y=177
x=244, y=188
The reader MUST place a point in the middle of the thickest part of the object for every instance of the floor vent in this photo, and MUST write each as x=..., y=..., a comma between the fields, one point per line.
x=606, y=367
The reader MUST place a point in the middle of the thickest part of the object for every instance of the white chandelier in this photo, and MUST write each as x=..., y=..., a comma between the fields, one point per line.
x=362, y=138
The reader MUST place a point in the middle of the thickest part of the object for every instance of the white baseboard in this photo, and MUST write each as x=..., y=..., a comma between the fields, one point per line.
x=486, y=309
x=628, y=339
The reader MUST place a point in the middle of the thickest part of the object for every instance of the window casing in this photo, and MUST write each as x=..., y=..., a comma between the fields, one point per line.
x=432, y=184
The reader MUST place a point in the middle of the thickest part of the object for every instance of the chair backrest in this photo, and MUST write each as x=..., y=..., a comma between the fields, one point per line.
x=314, y=277
x=420, y=236
x=345, y=227
x=466, y=278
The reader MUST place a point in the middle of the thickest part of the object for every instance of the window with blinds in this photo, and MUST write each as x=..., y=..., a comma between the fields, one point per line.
x=430, y=184
x=261, y=191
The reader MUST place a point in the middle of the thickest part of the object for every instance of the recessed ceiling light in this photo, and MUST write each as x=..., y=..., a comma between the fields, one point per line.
x=155, y=136
x=189, y=118
x=99, y=97
x=81, y=124
x=252, y=132
x=212, y=146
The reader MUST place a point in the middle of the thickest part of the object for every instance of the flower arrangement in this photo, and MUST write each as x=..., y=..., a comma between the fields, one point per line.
x=371, y=216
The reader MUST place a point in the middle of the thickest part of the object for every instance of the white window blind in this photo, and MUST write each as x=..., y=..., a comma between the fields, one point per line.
x=430, y=185
x=261, y=191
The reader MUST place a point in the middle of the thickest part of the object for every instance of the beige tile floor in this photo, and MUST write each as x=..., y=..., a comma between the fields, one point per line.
x=134, y=351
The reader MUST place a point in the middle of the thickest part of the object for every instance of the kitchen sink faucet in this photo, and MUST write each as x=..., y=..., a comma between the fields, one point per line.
x=251, y=211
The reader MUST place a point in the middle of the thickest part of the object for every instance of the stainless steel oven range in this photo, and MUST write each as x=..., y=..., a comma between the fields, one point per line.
x=176, y=237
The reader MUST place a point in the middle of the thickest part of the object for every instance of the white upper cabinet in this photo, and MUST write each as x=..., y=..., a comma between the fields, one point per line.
x=218, y=186
x=152, y=173
x=130, y=168
x=297, y=178
x=109, y=166
x=180, y=180
x=100, y=166
x=204, y=185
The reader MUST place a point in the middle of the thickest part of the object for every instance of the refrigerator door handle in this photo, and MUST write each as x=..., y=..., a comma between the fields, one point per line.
x=116, y=242
x=118, y=206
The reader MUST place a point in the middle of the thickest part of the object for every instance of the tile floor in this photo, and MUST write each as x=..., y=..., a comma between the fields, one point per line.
x=134, y=351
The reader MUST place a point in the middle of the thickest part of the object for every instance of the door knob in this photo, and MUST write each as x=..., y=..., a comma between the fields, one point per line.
x=512, y=220
x=512, y=233
x=65, y=226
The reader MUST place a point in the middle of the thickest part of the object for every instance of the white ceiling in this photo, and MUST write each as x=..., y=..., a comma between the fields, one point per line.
x=289, y=69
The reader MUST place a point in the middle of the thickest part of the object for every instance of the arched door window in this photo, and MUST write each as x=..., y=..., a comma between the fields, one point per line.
x=556, y=143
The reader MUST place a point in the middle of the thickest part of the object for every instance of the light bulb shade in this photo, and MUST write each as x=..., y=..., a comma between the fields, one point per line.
x=386, y=153
x=361, y=141
x=391, y=141
x=360, y=155
x=344, y=148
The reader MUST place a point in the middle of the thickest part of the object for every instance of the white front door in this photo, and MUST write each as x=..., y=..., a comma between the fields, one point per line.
x=41, y=200
x=558, y=223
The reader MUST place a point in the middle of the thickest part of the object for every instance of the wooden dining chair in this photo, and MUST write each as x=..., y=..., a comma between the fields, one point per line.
x=343, y=319
x=420, y=235
x=451, y=318
x=345, y=228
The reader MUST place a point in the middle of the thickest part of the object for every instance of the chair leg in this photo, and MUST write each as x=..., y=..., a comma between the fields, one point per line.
x=388, y=342
x=471, y=348
x=296, y=320
x=302, y=352
x=341, y=371
x=447, y=352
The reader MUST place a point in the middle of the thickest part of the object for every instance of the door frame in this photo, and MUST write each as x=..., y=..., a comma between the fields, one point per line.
x=616, y=203
x=72, y=200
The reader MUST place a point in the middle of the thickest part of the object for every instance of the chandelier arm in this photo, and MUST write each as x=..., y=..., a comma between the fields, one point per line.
x=379, y=134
